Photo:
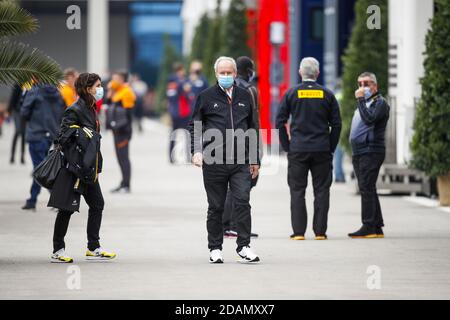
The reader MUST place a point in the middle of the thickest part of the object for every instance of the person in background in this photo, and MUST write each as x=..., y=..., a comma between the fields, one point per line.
x=315, y=129
x=140, y=90
x=179, y=98
x=197, y=80
x=367, y=138
x=67, y=89
x=120, y=95
x=245, y=75
x=15, y=103
x=338, y=159
x=42, y=110
x=339, y=174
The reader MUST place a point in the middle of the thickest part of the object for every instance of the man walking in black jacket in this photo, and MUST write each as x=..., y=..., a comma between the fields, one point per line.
x=223, y=117
x=42, y=109
x=367, y=138
x=245, y=74
x=314, y=110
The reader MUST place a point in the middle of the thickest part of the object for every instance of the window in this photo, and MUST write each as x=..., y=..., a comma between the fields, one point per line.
x=317, y=24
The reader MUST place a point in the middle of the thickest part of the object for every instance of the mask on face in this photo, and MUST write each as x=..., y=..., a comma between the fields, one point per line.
x=98, y=93
x=367, y=93
x=225, y=81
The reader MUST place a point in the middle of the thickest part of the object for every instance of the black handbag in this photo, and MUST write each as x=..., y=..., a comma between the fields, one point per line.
x=46, y=172
x=116, y=117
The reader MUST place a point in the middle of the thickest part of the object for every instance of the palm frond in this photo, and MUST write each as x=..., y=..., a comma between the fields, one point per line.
x=19, y=64
x=15, y=20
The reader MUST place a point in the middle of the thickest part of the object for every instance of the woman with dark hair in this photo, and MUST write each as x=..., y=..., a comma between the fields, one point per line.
x=81, y=114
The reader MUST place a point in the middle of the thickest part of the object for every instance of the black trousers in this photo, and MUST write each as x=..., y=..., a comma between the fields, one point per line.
x=94, y=199
x=19, y=133
x=216, y=178
x=122, y=144
x=228, y=219
x=367, y=168
x=320, y=165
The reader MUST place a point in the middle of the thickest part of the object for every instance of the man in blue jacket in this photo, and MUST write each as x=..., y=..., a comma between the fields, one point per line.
x=367, y=138
x=42, y=109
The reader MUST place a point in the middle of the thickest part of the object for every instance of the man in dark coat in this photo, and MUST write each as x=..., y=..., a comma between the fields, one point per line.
x=42, y=108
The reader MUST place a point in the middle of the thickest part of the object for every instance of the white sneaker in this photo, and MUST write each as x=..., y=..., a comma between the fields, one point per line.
x=248, y=256
x=215, y=256
x=60, y=257
x=100, y=254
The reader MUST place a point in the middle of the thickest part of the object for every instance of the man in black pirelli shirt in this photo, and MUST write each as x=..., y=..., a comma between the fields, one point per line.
x=314, y=134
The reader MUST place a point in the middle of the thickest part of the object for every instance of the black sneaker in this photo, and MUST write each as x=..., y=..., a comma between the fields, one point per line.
x=29, y=206
x=365, y=232
x=380, y=233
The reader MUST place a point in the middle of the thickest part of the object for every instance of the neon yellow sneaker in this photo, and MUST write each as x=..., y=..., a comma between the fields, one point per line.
x=60, y=257
x=100, y=254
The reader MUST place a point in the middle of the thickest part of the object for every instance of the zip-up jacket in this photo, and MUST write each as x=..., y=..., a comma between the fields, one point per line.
x=81, y=148
x=369, y=125
x=316, y=120
x=79, y=115
x=215, y=110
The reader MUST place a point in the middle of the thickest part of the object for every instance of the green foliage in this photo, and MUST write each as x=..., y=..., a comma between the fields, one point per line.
x=200, y=39
x=213, y=44
x=221, y=36
x=19, y=63
x=367, y=51
x=15, y=20
x=431, y=142
x=235, y=38
x=170, y=56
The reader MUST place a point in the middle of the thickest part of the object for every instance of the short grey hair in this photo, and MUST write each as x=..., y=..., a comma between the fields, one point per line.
x=309, y=68
x=223, y=58
x=371, y=75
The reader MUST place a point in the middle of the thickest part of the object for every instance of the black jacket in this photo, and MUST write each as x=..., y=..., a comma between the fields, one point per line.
x=81, y=149
x=316, y=120
x=214, y=110
x=65, y=194
x=81, y=166
x=369, y=126
x=81, y=115
x=42, y=108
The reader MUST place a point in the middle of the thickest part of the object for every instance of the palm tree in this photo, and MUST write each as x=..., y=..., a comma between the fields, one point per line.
x=19, y=63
